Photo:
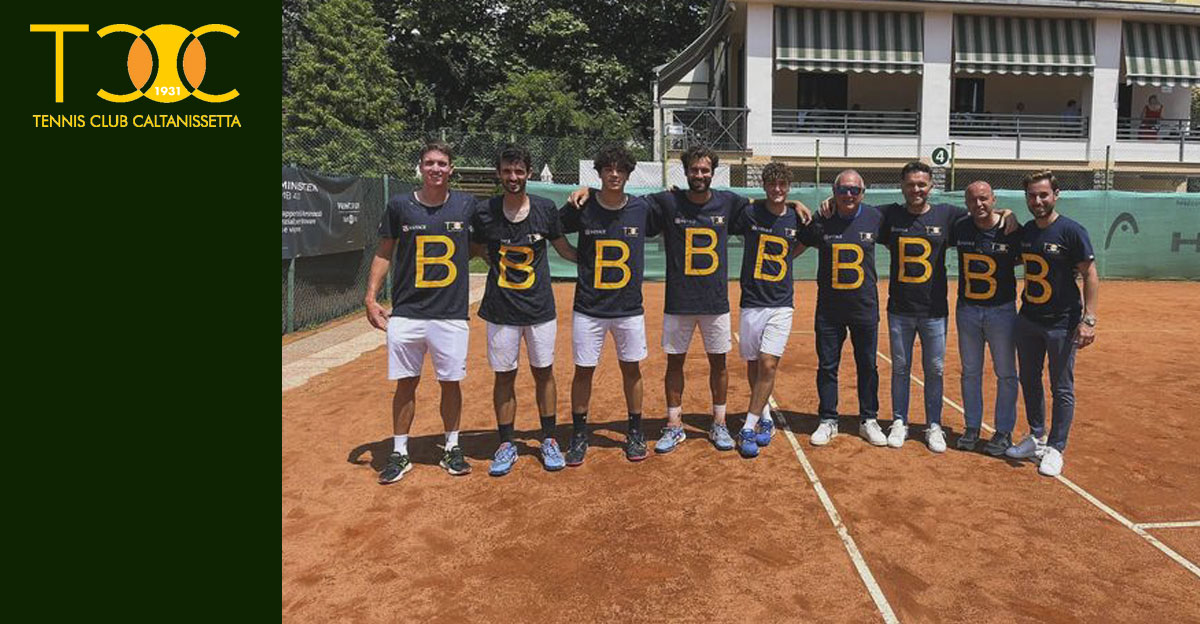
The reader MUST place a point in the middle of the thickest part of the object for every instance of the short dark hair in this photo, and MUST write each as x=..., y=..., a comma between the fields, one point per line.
x=1037, y=176
x=436, y=146
x=615, y=156
x=776, y=171
x=696, y=153
x=515, y=153
x=916, y=165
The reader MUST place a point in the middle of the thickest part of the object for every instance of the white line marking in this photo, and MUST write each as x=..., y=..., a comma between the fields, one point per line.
x=1138, y=529
x=860, y=564
x=1168, y=525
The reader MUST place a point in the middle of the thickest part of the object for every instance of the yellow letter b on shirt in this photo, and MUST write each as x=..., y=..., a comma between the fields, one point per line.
x=690, y=251
x=525, y=265
x=855, y=265
x=620, y=263
x=984, y=276
x=444, y=260
x=776, y=259
x=902, y=244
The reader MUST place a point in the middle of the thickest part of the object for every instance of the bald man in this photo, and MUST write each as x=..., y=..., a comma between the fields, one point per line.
x=986, y=315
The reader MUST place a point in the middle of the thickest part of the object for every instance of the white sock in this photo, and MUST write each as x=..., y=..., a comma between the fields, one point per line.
x=719, y=413
x=766, y=415
x=400, y=444
x=451, y=439
x=751, y=420
x=674, y=414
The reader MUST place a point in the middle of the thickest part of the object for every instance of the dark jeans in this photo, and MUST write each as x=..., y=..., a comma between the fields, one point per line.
x=1035, y=344
x=831, y=334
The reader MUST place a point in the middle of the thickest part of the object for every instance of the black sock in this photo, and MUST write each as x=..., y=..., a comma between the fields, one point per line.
x=635, y=421
x=579, y=422
x=506, y=433
x=548, y=424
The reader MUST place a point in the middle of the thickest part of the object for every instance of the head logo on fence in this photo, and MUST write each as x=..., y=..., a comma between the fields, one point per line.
x=154, y=54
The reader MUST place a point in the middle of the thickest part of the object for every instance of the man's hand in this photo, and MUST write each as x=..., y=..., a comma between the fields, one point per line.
x=1010, y=221
x=579, y=196
x=828, y=206
x=377, y=315
x=804, y=213
x=1084, y=335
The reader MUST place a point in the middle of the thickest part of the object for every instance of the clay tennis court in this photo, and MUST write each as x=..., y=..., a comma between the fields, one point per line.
x=698, y=535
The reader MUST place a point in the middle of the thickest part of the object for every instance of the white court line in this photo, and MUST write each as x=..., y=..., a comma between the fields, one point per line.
x=1168, y=525
x=1138, y=529
x=860, y=564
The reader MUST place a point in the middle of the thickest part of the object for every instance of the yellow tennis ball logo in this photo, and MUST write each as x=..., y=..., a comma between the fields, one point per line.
x=163, y=63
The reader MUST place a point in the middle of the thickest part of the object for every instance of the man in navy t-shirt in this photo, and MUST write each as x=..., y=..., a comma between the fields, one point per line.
x=518, y=300
x=1054, y=321
x=847, y=302
x=613, y=228
x=428, y=231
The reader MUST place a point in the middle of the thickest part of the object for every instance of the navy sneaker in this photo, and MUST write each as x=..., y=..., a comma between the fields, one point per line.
x=766, y=429
x=749, y=445
x=454, y=462
x=577, y=449
x=395, y=468
x=503, y=460
x=552, y=458
x=635, y=446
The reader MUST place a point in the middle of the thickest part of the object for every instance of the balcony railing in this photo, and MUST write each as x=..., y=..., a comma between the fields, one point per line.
x=719, y=128
x=845, y=122
x=1159, y=130
x=1010, y=126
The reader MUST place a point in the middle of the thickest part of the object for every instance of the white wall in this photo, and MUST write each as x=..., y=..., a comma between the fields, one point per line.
x=936, y=81
x=1042, y=95
x=885, y=92
x=760, y=70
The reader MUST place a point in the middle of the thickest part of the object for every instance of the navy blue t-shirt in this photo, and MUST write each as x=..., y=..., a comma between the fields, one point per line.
x=518, y=290
x=1051, y=296
x=846, y=292
x=985, y=263
x=696, y=239
x=917, y=281
x=430, y=279
x=766, y=277
x=612, y=250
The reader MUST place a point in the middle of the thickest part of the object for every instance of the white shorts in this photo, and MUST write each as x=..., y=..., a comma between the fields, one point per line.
x=678, y=329
x=445, y=339
x=588, y=332
x=764, y=330
x=504, y=344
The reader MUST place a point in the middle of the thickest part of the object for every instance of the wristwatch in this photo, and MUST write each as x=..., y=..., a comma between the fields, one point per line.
x=1089, y=320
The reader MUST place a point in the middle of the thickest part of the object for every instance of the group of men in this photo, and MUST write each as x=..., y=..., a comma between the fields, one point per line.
x=432, y=232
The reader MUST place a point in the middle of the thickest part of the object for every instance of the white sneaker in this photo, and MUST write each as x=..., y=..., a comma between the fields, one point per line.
x=897, y=434
x=935, y=438
x=1026, y=448
x=1052, y=462
x=826, y=431
x=871, y=432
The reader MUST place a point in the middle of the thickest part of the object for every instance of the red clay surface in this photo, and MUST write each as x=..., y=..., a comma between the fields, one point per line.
x=1185, y=541
x=702, y=535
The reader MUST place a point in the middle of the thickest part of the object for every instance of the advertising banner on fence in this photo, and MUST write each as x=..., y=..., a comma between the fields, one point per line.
x=321, y=214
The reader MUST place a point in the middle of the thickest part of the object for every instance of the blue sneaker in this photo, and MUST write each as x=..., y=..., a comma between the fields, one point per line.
x=749, y=446
x=503, y=460
x=719, y=434
x=766, y=429
x=671, y=438
x=552, y=458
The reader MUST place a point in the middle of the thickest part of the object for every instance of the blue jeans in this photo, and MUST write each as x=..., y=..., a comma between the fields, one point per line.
x=993, y=326
x=1035, y=344
x=864, y=337
x=902, y=330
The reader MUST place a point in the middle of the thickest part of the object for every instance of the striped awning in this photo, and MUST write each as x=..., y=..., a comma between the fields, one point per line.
x=986, y=44
x=823, y=40
x=1162, y=54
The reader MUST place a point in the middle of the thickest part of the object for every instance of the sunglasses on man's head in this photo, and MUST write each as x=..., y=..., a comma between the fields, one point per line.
x=847, y=190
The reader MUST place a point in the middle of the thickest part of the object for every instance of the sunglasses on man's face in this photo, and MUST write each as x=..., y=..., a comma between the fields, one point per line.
x=848, y=190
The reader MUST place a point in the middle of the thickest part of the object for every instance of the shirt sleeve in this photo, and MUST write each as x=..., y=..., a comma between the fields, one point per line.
x=810, y=235
x=553, y=227
x=477, y=222
x=1081, y=249
x=389, y=225
x=569, y=217
x=741, y=219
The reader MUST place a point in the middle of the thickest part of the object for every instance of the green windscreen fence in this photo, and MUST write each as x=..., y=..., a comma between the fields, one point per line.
x=1135, y=235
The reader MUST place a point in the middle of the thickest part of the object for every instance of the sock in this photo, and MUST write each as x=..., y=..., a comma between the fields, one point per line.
x=400, y=444
x=719, y=413
x=579, y=422
x=674, y=414
x=506, y=433
x=766, y=415
x=635, y=421
x=548, y=424
x=451, y=439
x=751, y=420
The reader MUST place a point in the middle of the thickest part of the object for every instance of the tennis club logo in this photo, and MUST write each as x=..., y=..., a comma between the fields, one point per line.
x=1000, y=247
x=156, y=67
x=535, y=237
x=933, y=230
x=866, y=237
x=718, y=220
x=454, y=226
x=631, y=231
x=789, y=232
x=1052, y=248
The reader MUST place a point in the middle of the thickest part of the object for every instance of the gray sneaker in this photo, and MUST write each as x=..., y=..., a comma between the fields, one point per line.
x=671, y=438
x=719, y=434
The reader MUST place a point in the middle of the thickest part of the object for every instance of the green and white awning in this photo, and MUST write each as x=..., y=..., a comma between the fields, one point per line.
x=823, y=40
x=1162, y=54
x=986, y=44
